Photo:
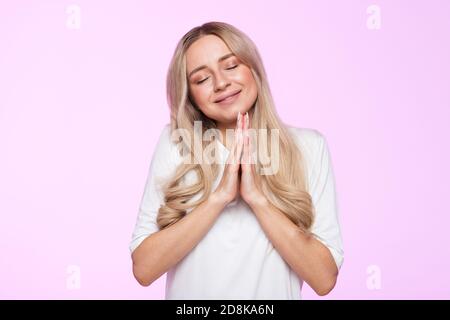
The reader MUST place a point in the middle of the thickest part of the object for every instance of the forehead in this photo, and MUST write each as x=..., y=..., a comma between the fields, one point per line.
x=206, y=50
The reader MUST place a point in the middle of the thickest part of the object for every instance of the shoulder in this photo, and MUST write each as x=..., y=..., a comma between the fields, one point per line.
x=165, y=133
x=309, y=134
x=166, y=155
x=313, y=148
x=310, y=141
x=163, y=144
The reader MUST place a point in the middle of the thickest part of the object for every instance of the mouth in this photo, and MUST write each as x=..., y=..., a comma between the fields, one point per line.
x=230, y=98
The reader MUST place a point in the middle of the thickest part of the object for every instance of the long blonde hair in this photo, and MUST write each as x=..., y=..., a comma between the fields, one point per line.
x=286, y=189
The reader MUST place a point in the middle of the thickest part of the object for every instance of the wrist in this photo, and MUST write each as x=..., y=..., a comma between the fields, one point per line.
x=259, y=201
x=218, y=199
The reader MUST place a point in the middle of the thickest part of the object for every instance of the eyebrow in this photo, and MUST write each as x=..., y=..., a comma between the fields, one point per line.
x=204, y=66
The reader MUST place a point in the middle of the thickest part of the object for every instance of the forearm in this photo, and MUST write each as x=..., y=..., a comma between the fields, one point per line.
x=163, y=249
x=306, y=255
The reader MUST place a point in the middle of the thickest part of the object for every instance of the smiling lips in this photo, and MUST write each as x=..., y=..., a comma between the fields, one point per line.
x=227, y=97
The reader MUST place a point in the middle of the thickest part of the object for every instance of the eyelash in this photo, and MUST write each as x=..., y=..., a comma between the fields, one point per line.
x=200, y=82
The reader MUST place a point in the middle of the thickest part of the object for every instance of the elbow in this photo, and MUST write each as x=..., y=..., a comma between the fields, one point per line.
x=142, y=277
x=326, y=286
x=141, y=272
x=328, y=279
x=143, y=282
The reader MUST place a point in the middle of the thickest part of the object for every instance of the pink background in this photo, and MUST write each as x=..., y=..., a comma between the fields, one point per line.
x=81, y=110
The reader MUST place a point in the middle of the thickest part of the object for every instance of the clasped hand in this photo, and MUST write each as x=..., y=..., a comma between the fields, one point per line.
x=239, y=172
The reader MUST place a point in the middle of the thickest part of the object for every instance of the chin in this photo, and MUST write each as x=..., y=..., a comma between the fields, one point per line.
x=230, y=114
x=233, y=112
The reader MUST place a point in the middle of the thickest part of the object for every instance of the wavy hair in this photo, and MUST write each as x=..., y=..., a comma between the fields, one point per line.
x=286, y=189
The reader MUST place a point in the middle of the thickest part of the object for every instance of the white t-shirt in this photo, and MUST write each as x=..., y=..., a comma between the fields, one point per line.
x=235, y=259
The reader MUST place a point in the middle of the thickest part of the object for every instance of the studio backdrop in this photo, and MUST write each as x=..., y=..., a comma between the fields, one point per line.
x=83, y=101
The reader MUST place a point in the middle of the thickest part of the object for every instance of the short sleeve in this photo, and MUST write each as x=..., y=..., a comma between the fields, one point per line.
x=153, y=197
x=326, y=227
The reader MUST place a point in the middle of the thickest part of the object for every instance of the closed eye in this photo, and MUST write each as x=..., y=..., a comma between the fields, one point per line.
x=233, y=67
x=198, y=82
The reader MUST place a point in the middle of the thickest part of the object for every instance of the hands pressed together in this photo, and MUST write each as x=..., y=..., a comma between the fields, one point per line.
x=239, y=172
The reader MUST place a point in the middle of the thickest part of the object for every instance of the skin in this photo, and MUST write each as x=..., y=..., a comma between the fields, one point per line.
x=219, y=78
x=309, y=258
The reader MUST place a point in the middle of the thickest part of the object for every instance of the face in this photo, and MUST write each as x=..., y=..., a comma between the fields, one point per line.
x=215, y=73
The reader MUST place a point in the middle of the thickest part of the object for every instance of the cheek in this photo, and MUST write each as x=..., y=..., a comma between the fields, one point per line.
x=198, y=94
x=249, y=82
x=247, y=78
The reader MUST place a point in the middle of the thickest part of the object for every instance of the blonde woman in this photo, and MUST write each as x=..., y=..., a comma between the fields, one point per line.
x=227, y=229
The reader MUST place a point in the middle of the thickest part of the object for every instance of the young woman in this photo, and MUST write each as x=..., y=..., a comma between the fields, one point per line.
x=224, y=229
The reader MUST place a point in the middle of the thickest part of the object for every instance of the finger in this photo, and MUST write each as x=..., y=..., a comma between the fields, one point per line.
x=240, y=145
x=239, y=139
x=233, y=156
x=245, y=158
x=232, y=152
x=251, y=150
x=244, y=151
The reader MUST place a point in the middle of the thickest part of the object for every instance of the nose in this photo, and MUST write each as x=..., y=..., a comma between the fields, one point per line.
x=221, y=82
